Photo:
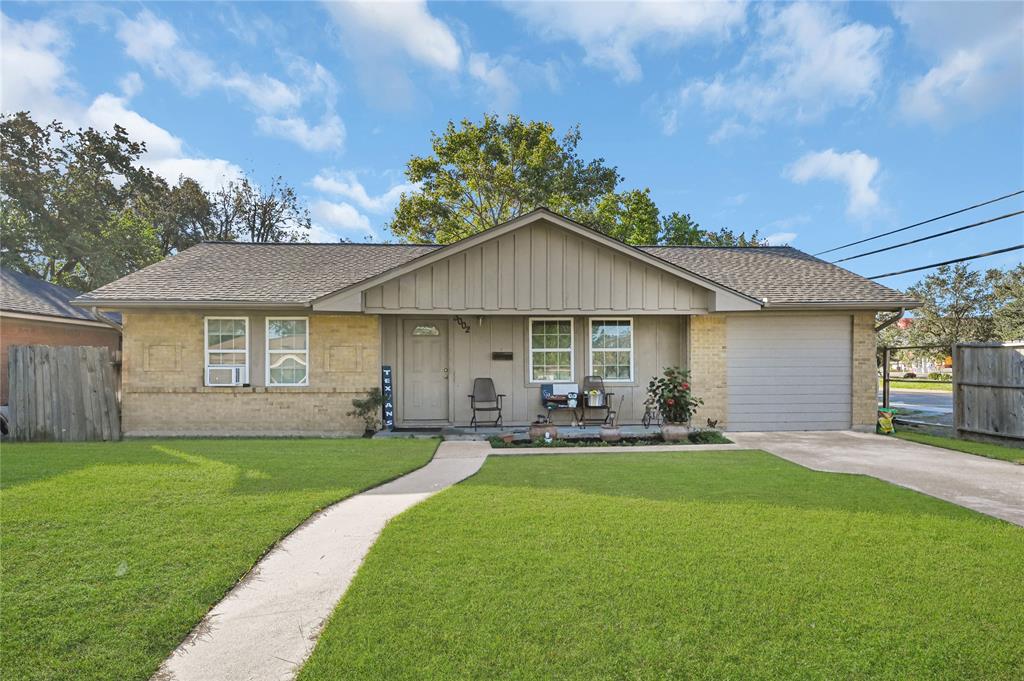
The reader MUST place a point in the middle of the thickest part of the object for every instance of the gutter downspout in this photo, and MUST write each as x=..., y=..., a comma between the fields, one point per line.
x=886, y=355
x=889, y=322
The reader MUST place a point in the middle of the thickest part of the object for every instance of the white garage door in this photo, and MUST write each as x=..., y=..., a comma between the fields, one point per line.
x=789, y=373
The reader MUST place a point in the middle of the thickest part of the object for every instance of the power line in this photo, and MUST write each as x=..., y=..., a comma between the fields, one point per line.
x=931, y=236
x=949, y=262
x=923, y=222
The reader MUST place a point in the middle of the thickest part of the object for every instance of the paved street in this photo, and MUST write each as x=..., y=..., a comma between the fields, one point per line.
x=934, y=406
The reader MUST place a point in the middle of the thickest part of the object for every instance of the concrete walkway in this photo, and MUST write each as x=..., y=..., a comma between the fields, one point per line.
x=266, y=627
x=986, y=485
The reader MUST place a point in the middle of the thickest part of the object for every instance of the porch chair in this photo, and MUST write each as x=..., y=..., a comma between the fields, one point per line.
x=485, y=399
x=605, y=408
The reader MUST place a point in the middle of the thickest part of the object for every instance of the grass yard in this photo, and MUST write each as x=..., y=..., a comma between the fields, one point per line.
x=704, y=565
x=917, y=385
x=992, y=451
x=113, y=551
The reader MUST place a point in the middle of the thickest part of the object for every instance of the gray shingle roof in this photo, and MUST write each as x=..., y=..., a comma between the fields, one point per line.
x=296, y=274
x=28, y=295
x=781, y=274
x=277, y=274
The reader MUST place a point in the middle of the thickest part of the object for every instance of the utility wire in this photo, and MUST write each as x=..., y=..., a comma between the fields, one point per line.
x=923, y=222
x=949, y=262
x=931, y=236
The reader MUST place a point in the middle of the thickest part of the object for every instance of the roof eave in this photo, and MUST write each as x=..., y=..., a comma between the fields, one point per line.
x=846, y=305
x=116, y=304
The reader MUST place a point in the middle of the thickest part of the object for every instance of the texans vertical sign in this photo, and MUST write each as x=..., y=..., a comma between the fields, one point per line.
x=386, y=379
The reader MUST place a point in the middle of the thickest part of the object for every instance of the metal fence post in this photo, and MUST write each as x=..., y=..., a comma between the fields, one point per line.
x=886, y=356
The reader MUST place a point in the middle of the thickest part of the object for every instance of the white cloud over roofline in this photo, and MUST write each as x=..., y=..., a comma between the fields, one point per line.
x=855, y=170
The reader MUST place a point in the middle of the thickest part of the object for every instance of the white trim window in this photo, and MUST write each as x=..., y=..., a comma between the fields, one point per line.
x=226, y=341
x=611, y=349
x=287, y=351
x=551, y=350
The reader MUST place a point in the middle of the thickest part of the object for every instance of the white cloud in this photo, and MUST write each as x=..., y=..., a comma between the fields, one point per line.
x=780, y=238
x=501, y=90
x=979, y=57
x=806, y=60
x=329, y=133
x=408, y=27
x=610, y=33
x=31, y=61
x=155, y=43
x=346, y=184
x=854, y=169
x=165, y=153
x=35, y=80
x=131, y=84
x=340, y=216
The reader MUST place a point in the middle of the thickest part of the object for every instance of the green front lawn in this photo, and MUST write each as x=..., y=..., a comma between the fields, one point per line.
x=916, y=385
x=992, y=451
x=112, y=552
x=709, y=565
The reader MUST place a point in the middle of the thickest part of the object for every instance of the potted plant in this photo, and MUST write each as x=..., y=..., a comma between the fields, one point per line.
x=670, y=392
x=610, y=431
x=369, y=410
x=542, y=428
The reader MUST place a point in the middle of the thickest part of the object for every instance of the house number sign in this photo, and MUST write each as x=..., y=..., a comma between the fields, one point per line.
x=387, y=392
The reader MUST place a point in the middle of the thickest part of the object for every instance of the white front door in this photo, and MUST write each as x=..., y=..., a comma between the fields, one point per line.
x=425, y=369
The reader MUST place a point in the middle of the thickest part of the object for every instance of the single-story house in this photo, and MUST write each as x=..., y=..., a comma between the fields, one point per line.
x=36, y=312
x=276, y=339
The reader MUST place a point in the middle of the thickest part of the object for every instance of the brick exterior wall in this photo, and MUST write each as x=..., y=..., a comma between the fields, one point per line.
x=708, y=378
x=865, y=376
x=163, y=376
x=17, y=331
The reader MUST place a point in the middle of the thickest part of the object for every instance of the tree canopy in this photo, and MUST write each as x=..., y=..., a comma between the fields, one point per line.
x=480, y=175
x=80, y=209
x=961, y=305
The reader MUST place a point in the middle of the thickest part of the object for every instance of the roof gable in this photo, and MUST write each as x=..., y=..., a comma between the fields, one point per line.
x=540, y=261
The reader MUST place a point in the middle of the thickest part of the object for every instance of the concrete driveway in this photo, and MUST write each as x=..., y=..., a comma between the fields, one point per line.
x=985, y=485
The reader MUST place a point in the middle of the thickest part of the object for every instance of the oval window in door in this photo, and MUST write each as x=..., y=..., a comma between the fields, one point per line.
x=426, y=330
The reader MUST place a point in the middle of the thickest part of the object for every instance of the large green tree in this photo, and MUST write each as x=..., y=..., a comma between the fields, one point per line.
x=1006, y=303
x=480, y=175
x=483, y=174
x=956, y=307
x=62, y=199
x=679, y=229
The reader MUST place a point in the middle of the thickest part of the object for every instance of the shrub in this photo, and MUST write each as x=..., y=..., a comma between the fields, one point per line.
x=910, y=374
x=368, y=409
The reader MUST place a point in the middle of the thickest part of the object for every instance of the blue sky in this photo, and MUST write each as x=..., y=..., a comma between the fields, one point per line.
x=816, y=123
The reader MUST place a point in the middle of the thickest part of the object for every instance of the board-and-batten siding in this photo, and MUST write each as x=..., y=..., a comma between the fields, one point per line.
x=539, y=268
x=659, y=342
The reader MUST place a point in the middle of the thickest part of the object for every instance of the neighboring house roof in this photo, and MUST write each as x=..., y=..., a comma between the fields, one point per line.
x=298, y=274
x=24, y=294
x=782, y=274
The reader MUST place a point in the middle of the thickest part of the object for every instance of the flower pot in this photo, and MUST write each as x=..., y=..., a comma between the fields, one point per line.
x=610, y=434
x=675, y=432
x=537, y=430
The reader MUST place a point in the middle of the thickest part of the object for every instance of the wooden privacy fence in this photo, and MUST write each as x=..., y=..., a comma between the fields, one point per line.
x=62, y=394
x=988, y=389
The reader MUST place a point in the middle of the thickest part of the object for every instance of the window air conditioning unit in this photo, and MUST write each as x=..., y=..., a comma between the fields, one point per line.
x=226, y=376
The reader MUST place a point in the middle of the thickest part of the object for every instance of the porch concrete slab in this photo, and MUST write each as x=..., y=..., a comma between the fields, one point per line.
x=266, y=627
x=521, y=451
x=989, y=486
